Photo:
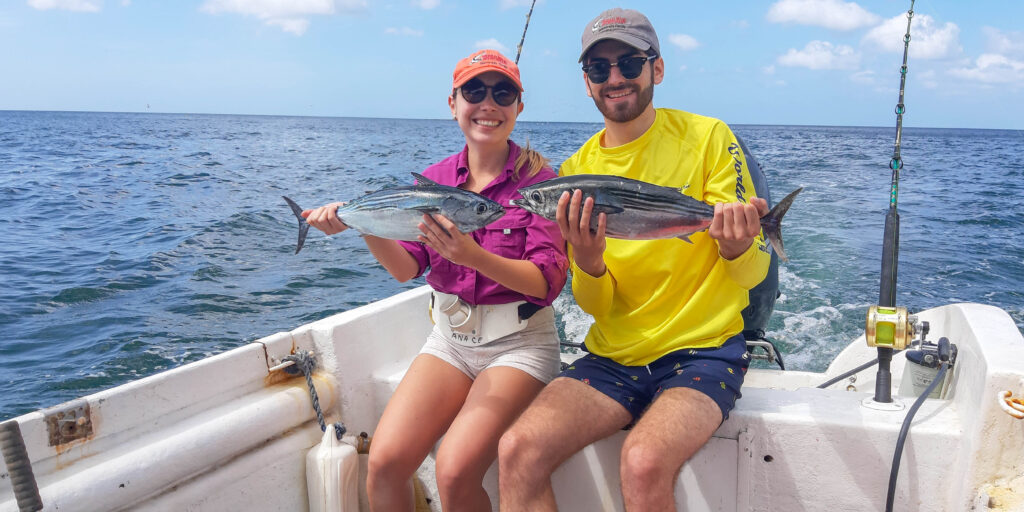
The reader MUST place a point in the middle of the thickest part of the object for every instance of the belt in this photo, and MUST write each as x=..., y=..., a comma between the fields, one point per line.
x=475, y=325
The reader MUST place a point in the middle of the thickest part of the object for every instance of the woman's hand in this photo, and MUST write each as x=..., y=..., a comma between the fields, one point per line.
x=325, y=218
x=453, y=245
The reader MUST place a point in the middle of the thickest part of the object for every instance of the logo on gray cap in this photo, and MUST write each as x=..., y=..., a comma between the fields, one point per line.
x=626, y=25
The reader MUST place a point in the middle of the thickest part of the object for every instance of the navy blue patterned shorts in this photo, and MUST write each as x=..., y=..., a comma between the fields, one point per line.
x=716, y=372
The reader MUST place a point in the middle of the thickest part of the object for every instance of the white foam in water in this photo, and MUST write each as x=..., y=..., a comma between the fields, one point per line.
x=810, y=338
x=577, y=323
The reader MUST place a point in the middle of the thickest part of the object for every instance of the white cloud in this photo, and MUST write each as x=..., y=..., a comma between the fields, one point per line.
x=769, y=70
x=821, y=55
x=929, y=79
x=295, y=26
x=831, y=14
x=927, y=39
x=1005, y=43
x=67, y=5
x=426, y=4
x=511, y=4
x=493, y=44
x=864, y=77
x=991, y=68
x=403, y=31
x=741, y=24
x=290, y=15
x=683, y=41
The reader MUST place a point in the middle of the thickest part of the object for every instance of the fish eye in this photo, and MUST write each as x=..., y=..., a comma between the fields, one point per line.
x=535, y=196
x=481, y=208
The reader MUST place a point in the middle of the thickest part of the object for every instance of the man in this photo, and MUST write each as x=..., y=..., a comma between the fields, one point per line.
x=666, y=355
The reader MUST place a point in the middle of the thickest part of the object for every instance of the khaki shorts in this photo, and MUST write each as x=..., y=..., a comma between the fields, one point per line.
x=533, y=350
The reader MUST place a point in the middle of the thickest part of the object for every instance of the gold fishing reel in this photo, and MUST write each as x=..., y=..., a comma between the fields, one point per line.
x=889, y=327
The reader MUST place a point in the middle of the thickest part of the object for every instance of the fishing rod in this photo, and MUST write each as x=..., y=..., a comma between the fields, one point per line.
x=888, y=327
x=519, y=48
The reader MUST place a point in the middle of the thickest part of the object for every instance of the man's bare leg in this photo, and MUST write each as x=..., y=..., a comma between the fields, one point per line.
x=566, y=417
x=678, y=423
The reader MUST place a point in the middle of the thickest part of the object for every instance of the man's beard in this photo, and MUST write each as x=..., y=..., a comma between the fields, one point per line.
x=625, y=112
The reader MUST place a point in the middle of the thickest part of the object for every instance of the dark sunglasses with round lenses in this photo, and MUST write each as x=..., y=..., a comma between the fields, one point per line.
x=599, y=70
x=503, y=93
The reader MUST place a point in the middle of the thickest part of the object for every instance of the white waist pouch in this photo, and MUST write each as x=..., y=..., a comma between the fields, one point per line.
x=471, y=325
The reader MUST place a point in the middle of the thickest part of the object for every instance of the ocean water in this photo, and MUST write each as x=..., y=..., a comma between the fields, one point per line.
x=135, y=243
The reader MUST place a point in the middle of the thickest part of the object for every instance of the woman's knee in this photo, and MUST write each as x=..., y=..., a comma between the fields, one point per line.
x=457, y=475
x=386, y=464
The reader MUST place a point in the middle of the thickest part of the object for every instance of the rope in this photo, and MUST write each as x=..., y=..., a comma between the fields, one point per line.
x=306, y=361
x=519, y=48
x=1012, y=406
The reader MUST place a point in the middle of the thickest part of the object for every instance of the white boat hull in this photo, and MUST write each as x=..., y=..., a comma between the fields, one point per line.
x=226, y=433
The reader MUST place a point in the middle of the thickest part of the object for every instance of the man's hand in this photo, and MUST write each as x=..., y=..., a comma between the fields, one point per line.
x=573, y=216
x=325, y=218
x=735, y=226
x=454, y=246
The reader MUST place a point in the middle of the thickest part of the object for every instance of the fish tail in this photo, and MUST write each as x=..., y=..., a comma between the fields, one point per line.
x=772, y=223
x=303, y=225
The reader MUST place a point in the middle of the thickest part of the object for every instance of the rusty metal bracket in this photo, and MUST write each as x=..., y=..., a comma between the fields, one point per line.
x=68, y=422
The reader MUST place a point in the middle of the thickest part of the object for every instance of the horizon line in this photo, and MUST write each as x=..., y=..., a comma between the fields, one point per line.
x=3, y=110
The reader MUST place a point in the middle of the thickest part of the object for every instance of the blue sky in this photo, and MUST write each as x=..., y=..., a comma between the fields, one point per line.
x=812, y=62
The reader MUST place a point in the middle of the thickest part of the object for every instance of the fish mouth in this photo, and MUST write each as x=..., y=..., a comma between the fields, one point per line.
x=497, y=214
x=525, y=204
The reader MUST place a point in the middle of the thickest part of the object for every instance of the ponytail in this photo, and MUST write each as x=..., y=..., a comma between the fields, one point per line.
x=531, y=159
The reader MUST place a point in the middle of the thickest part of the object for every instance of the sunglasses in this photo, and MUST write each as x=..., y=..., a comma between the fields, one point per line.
x=599, y=70
x=503, y=93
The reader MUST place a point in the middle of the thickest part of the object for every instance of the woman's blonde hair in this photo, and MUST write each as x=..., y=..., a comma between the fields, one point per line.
x=532, y=159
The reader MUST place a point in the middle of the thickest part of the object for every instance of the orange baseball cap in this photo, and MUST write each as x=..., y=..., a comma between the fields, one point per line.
x=482, y=62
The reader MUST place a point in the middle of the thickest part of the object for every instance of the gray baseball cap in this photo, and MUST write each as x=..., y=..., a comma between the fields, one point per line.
x=624, y=25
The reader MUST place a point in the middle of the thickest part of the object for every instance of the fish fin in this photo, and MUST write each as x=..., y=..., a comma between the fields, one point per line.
x=424, y=181
x=772, y=223
x=303, y=225
x=429, y=210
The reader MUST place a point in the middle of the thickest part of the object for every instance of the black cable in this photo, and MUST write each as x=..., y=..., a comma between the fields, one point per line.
x=904, y=430
x=847, y=374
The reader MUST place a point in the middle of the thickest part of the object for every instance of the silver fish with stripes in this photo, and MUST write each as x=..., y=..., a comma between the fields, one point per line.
x=637, y=210
x=397, y=212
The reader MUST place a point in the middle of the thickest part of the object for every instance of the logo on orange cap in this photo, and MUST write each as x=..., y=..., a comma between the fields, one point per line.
x=482, y=62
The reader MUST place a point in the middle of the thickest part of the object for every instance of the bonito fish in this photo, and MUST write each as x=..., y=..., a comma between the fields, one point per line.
x=637, y=210
x=396, y=212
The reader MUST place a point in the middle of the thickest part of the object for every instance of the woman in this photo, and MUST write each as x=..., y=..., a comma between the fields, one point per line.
x=482, y=363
